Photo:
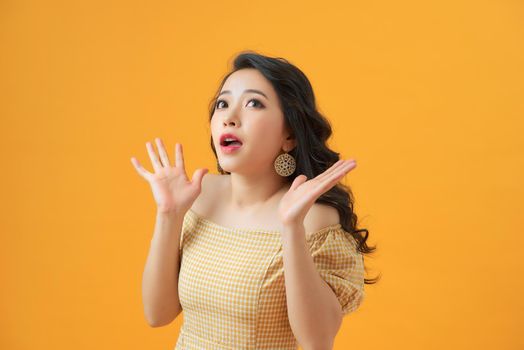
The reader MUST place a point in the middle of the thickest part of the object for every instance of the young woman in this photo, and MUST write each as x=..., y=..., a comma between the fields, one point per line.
x=266, y=254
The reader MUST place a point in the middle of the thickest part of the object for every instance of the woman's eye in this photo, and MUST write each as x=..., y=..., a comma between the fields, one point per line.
x=218, y=103
x=257, y=101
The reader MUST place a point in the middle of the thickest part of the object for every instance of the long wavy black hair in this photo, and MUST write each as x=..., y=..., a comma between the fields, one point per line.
x=311, y=131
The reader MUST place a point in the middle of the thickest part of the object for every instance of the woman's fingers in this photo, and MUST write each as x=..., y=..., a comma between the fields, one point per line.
x=163, y=153
x=337, y=174
x=197, y=177
x=179, y=160
x=330, y=170
x=299, y=180
x=140, y=170
x=154, y=158
x=327, y=182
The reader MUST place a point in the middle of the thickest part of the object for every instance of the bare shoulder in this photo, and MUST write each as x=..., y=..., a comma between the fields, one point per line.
x=320, y=216
x=211, y=185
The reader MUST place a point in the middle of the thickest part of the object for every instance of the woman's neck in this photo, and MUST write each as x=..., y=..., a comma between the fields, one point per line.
x=249, y=194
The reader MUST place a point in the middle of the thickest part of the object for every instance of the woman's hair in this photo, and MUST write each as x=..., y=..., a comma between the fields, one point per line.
x=311, y=131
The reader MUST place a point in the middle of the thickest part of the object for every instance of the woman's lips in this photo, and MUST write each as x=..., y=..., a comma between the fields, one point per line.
x=230, y=148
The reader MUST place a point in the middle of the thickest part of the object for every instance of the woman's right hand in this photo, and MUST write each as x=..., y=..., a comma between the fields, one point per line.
x=172, y=190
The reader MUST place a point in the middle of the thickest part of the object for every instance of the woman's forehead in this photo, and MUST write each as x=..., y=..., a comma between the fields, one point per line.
x=246, y=79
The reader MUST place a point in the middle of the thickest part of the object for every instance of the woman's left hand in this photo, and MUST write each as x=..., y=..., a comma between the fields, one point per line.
x=302, y=194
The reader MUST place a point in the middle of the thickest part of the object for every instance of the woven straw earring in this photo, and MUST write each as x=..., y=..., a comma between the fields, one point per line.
x=285, y=164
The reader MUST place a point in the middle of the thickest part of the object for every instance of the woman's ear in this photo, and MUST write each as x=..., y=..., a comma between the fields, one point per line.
x=289, y=144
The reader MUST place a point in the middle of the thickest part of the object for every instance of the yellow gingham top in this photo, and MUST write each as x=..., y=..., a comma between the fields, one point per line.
x=231, y=283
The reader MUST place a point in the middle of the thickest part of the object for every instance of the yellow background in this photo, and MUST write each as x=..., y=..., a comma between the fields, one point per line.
x=427, y=96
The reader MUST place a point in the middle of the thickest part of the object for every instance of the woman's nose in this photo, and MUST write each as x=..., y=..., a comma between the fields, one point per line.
x=231, y=117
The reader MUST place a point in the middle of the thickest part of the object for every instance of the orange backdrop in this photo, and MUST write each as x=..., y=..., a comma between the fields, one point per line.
x=427, y=96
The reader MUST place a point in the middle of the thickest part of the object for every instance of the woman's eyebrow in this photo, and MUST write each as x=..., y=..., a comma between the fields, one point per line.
x=247, y=90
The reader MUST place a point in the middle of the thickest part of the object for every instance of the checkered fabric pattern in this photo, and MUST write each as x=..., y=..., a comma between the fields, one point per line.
x=231, y=283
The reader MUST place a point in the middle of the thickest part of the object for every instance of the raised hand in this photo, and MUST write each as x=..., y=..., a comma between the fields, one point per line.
x=302, y=194
x=172, y=190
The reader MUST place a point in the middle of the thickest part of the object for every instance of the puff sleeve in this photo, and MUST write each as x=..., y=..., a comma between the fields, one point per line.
x=340, y=264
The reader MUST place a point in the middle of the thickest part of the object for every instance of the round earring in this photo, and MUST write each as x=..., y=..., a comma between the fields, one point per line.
x=285, y=164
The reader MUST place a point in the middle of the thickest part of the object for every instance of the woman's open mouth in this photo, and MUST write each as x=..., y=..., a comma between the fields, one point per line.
x=229, y=143
x=230, y=147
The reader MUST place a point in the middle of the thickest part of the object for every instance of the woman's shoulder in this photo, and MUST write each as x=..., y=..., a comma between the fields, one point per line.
x=319, y=217
x=212, y=184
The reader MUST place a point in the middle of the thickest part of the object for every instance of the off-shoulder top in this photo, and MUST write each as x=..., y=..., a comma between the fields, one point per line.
x=231, y=283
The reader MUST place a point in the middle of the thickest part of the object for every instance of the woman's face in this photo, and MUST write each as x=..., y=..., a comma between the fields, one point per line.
x=248, y=107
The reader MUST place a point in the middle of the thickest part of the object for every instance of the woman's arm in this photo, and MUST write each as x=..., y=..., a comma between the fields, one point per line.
x=314, y=311
x=160, y=277
x=174, y=194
